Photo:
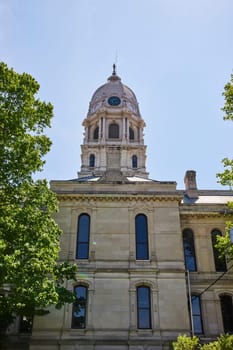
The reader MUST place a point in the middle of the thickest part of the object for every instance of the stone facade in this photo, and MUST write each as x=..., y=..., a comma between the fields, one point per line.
x=113, y=190
x=112, y=273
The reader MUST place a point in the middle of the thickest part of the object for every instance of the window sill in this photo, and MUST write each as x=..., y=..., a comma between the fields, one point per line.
x=78, y=331
x=82, y=261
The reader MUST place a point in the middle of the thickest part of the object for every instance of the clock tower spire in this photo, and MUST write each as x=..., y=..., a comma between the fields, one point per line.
x=113, y=137
x=114, y=69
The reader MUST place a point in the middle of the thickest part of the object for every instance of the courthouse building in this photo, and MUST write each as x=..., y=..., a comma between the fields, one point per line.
x=148, y=269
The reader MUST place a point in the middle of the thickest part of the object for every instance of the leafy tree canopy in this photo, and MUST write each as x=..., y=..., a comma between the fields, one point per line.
x=228, y=95
x=30, y=276
x=183, y=342
x=226, y=177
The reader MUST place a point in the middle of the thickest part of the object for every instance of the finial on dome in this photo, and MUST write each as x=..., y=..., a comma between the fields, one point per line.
x=114, y=69
x=114, y=76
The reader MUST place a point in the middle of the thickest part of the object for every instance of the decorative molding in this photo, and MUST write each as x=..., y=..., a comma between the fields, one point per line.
x=143, y=282
x=204, y=214
x=90, y=198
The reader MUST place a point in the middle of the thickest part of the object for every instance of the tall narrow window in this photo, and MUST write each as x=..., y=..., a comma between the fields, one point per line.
x=113, y=131
x=142, y=252
x=79, y=307
x=189, y=250
x=92, y=161
x=143, y=307
x=134, y=161
x=131, y=134
x=196, y=311
x=83, y=234
x=227, y=313
x=96, y=133
x=220, y=262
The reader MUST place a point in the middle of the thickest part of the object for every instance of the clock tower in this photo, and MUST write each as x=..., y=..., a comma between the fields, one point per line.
x=113, y=143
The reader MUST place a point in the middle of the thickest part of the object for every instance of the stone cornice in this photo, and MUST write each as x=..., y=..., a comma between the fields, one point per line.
x=107, y=112
x=206, y=213
x=118, y=143
x=111, y=197
x=200, y=215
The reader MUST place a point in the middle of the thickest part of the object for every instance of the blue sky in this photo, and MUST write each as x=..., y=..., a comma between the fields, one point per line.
x=176, y=55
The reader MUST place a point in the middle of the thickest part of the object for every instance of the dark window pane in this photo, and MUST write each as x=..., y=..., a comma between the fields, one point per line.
x=227, y=313
x=83, y=229
x=143, y=307
x=189, y=250
x=196, y=313
x=134, y=161
x=197, y=325
x=79, y=307
x=83, y=250
x=220, y=262
x=141, y=227
x=142, y=251
x=195, y=305
x=81, y=292
x=143, y=297
x=144, y=319
x=25, y=324
x=96, y=133
x=92, y=160
x=113, y=131
x=131, y=134
x=141, y=237
x=83, y=237
x=191, y=263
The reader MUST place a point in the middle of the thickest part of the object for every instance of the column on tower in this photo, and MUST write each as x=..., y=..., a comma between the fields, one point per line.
x=86, y=135
x=100, y=129
x=127, y=129
x=123, y=130
x=104, y=130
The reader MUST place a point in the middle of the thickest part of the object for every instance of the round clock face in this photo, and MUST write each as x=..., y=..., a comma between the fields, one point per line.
x=114, y=101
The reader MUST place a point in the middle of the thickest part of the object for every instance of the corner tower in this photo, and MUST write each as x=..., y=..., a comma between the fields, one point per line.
x=113, y=137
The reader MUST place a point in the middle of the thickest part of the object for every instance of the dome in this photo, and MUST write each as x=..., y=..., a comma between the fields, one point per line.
x=114, y=94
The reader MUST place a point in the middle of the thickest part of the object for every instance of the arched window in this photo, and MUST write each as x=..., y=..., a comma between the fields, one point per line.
x=144, y=307
x=92, y=161
x=142, y=251
x=227, y=312
x=113, y=132
x=220, y=262
x=196, y=313
x=134, y=161
x=131, y=134
x=96, y=133
x=189, y=250
x=79, y=307
x=83, y=234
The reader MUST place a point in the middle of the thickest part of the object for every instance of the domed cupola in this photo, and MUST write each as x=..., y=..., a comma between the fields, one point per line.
x=114, y=94
x=113, y=138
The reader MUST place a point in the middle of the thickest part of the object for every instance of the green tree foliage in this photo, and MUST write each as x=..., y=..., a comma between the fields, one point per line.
x=183, y=342
x=211, y=346
x=186, y=343
x=228, y=95
x=30, y=277
x=226, y=177
x=225, y=342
